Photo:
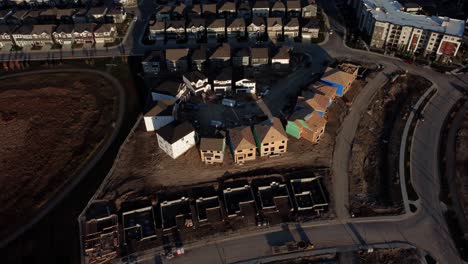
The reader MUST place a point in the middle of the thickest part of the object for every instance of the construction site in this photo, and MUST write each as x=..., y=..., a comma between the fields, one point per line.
x=374, y=181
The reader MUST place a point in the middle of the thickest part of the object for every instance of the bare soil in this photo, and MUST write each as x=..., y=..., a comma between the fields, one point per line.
x=389, y=256
x=375, y=187
x=50, y=124
x=462, y=165
x=142, y=168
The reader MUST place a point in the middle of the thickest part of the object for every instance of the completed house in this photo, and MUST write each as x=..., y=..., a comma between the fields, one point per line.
x=241, y=57
x=153, y=63
x=216, y=30
x=212, y=149
x=222, y=56
x=227, y=10
x=270, y=137
x=278, y=9
x=33, y=35
x=246, y=86
x=164, y=14
x=116, y=15
x=199, y=58
x=5, y=36
x=197, y=82
x=63, y=35
x=176, y=138
x=294, y=8
x=244, y=10
x=196, y=30
x=175, y=30
x=291, y=29
x=177, y=60
x=257, y=28
x=209, y=10
x=236, y=28
x=157, y=31
x=309, y=9
x=242, y=144
x=160, y=115
x=105, y=33
x=83, y=33
x=260, y=57
x=223, y=82
x=261, y=8
x=275, y=28
x=282, y=58
x=311, y=29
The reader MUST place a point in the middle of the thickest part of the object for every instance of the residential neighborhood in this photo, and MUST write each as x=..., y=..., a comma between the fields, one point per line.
x=234, y=131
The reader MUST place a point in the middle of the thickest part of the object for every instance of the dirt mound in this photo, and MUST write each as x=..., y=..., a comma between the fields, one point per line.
x=46, y=133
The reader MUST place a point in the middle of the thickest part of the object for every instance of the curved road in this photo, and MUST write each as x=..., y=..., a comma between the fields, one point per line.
x=91, y=163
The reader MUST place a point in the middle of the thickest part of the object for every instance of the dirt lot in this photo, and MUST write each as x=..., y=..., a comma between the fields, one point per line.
x=49, y=125
x=143, y=168
x=462, y=164
x=389, y=256
x=375, y=187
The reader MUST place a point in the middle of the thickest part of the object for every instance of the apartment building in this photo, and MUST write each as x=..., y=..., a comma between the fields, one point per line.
x=387, y=27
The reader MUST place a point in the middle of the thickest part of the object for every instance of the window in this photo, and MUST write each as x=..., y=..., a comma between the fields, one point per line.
x=281, y=147
x=239, y=151
x=265, y=144
x=217, y=157
x=240, y=158
x=249, y=155
x=265, y=149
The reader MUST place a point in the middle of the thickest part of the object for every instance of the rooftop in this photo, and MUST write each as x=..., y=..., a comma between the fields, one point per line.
x=161, y=108
x=242, y=138
x=176, y=54
x=389, y=11
x=259, y=53
x=270, y=130
x=175, y=131
x=214, y=144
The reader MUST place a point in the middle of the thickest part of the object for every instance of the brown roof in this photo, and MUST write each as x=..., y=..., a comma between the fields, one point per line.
x=273, y=21
x=217, y=23
x=322, y=88
x=39, y=29
x=258, y=21
x=294, y=4
x=312, y=23
x=105, y=28
x=261, y=4
x=196, y=22
x=168, y=87
x=293, y=22
x=65, y=28
x=176, y=54
x=271, y=130
x=199, y=54
x=283, y=53
x=224, y=51
x=162, y=107
x=175, y=24
x=159, y=25
x=259, y=53
x=6, y=29
x=318, y=102
x=337, y=76
x=216, y=144
x=315, y=121
x=209, y=8
x=179, y=9
x=238, y=22
x=242, y=138
x=175, y=131
x=227, y=6
x=278, y=5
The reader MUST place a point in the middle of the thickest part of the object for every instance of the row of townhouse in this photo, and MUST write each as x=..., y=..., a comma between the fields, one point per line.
x=63, y=15
x=42, y=35
x=241, y=9
x=218, y=30
x=52, y=3
x=246, y=202
x=245, y=143
x=309, y=119
x=183, y=59
x=388, y=27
